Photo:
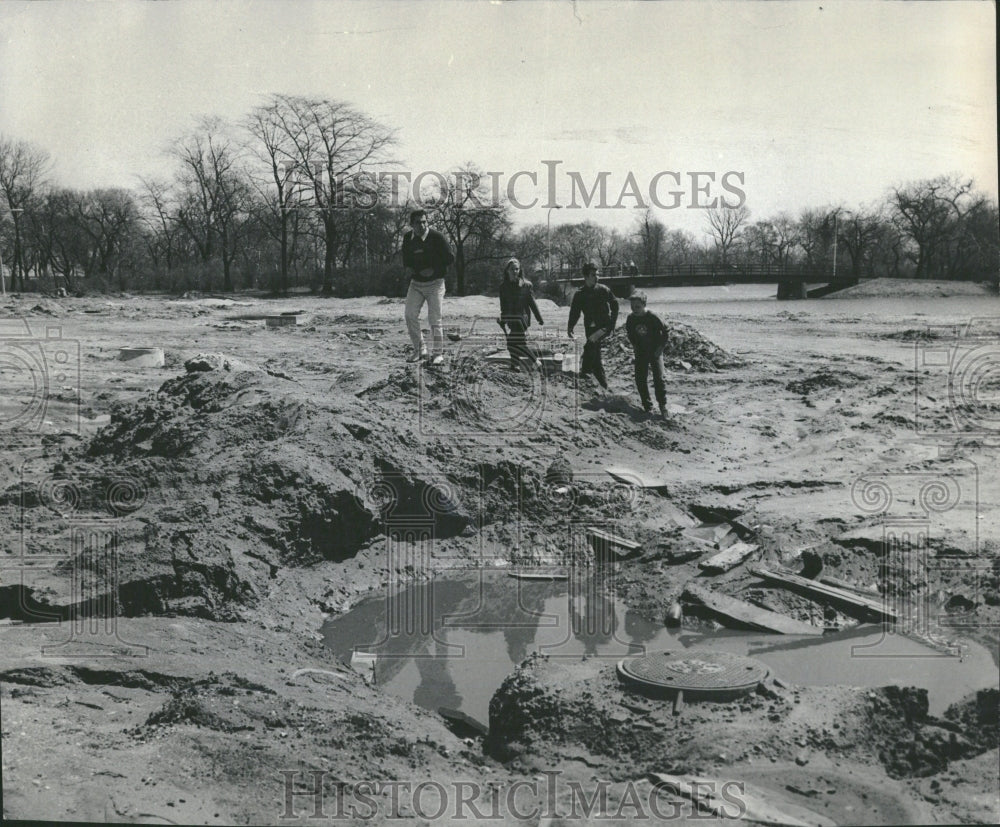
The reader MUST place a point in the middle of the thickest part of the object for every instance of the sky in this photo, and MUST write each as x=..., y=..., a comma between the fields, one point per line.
x=803, y=104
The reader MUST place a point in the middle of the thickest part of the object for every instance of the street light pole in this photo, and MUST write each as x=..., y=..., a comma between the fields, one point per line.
x=548, y=237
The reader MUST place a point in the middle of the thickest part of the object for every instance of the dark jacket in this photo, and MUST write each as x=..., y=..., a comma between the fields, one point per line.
x=518, y=302
x=645, y=332
x=598, y=306
x=432, y=251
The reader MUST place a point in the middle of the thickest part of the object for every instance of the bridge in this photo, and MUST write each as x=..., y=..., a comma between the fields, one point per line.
x=792, y=282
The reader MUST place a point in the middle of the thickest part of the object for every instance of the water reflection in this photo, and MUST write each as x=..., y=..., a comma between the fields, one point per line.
x=453, y=640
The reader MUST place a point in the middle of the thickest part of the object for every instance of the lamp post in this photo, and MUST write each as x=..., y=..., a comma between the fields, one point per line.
x=548, y=237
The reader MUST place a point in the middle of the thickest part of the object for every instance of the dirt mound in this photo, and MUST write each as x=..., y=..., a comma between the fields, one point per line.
x=824, y=379
x=912, y=288
x=233, y=473
x=686, y=349
x=556, y=707
x=979, y=717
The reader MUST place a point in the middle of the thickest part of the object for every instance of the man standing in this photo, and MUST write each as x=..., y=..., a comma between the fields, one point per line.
x=600, y=313
x=426, y=257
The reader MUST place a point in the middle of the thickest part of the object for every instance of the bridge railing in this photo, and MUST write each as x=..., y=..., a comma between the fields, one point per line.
x=680, y=273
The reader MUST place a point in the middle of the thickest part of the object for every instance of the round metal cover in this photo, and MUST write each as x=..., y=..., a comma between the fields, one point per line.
x=697, y=673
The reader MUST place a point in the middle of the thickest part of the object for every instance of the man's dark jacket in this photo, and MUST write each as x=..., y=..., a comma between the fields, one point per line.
x=598, y=306
x=432, y=251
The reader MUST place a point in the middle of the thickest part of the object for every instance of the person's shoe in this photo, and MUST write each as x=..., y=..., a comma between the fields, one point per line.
x=663, y=412
x=416, y=357
x=647, y=407
x=436, y=360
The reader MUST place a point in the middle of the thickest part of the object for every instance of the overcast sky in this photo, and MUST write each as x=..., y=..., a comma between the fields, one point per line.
x=814, y=103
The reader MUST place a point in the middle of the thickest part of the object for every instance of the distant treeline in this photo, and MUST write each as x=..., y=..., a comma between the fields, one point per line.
x=281, y=201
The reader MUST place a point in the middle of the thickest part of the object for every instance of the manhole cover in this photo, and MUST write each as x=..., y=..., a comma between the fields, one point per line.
x=698, y=674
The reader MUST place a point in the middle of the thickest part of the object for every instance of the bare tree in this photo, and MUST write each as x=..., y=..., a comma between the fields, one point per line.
x=278, y=182
x=857, y=234
x=214, y=192
x=471, y=221
x=815, y=237
x=330, y=145
x=650, y=234
x=158, y=210
x=529, y=245
x=55, y=232
x=724, y=224
x=936, y=215
x=22, y=171
x=578, y=244
x=108, y=218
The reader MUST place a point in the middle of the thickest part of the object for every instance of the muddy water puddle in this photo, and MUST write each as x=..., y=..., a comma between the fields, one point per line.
x=451, y=642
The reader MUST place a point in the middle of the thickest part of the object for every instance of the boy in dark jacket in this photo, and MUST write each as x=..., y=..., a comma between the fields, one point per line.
x=517, y=303
x=600, y=313
x=648, y=335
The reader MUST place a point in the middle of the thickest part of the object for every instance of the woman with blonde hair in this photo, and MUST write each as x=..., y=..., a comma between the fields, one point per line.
x=517, y=303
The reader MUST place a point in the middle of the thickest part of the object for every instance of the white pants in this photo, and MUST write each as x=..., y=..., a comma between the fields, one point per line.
x=431, y=292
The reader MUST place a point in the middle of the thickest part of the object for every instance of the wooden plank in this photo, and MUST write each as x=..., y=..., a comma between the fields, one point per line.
x=748, y=614
x=632, y=477
x=728, y=559
x=843, y=584
x=856, y=601
x=537, y=575
x=605, y=543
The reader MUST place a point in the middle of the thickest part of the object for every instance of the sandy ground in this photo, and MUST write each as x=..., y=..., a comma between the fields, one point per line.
x=234, y=500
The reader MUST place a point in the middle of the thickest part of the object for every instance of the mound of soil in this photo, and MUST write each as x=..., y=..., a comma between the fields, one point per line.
x=229, y=473
x=915, y=288
x=556, y=708
x=686, y=349
x=824, y=379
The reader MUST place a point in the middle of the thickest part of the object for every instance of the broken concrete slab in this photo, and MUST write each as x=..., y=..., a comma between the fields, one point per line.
x=745, y=613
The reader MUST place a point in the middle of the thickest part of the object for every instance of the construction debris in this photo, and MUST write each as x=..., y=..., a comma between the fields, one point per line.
x=728, y=559
x=632, y=477
x=713, y=536
x=746, y=614
x=464, y=726
x=866, y=605
x=611, y=546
